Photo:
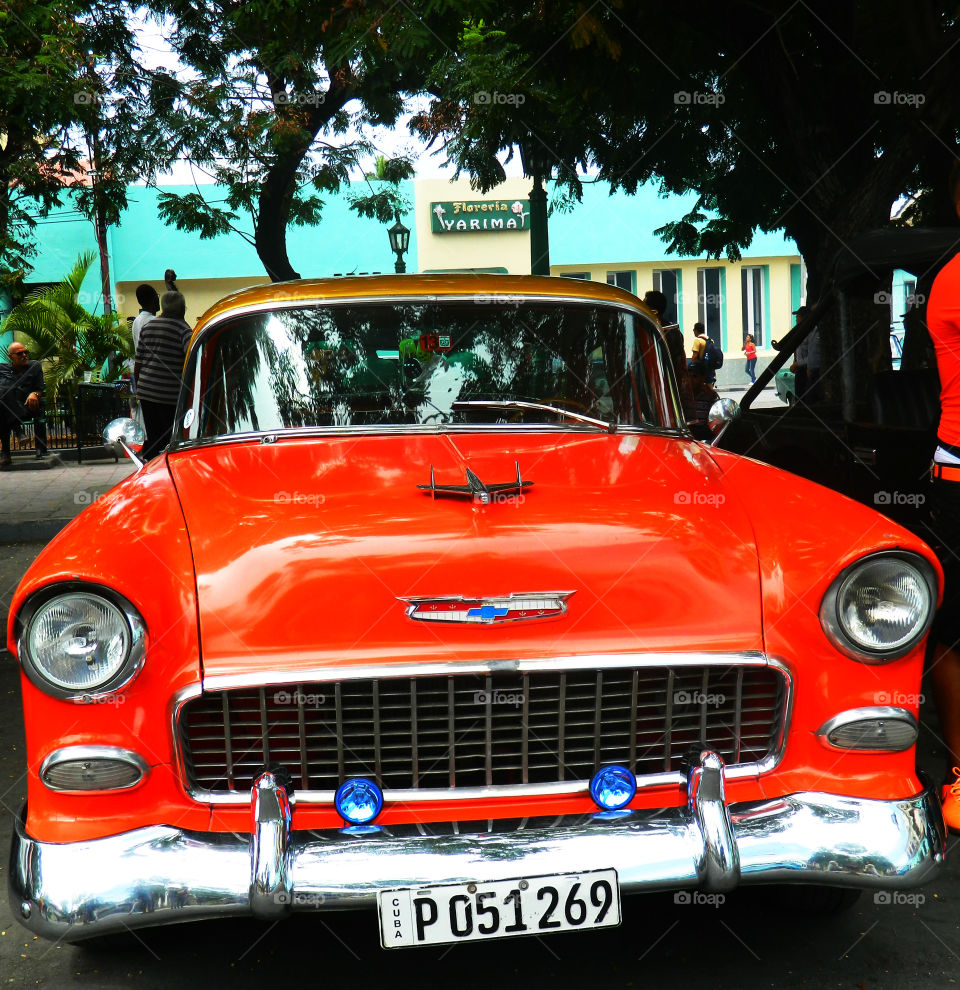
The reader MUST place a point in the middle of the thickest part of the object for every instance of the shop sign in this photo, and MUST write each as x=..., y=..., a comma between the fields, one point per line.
x=474, y=216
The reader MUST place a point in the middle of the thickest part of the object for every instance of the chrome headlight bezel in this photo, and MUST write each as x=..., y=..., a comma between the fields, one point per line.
x=833, y=624
x=125, y=673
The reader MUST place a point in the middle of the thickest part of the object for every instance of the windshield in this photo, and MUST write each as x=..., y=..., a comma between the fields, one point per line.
x=416, y=364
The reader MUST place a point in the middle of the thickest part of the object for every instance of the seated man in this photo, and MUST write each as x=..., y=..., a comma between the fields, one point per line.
x=21, y=386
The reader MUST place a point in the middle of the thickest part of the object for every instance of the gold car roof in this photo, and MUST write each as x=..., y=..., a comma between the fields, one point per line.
x=372, y=287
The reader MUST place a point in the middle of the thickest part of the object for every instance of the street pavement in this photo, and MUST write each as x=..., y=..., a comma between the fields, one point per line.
x=36, y=501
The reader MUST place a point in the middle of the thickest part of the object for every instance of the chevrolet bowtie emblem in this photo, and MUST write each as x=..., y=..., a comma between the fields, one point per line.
x=516, y=607
x=476, y=489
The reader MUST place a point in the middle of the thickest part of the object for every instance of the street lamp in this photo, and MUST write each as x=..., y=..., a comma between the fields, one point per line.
x=536, y=160
x=399, y=242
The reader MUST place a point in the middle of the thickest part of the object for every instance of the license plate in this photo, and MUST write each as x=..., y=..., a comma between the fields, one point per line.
x=465, y=912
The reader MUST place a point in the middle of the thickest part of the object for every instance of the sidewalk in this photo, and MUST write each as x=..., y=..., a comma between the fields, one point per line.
x=36, y=504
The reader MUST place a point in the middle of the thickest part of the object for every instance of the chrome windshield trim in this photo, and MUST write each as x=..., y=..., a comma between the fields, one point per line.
x=276, y=678
x=326, y=432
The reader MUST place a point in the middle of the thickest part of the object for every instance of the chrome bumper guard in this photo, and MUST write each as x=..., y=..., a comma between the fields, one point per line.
x=161, y=875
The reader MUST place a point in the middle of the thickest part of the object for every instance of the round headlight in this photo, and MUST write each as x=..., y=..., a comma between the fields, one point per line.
x=80, y=643
x=879, y=608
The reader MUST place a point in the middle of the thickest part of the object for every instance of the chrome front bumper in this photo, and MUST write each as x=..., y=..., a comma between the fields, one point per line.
x=160, y=875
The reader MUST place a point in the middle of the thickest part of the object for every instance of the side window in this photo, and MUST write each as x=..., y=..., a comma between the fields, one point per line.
x=623, y=280
x=710, y=302
x=753, y=279
x=667, y=281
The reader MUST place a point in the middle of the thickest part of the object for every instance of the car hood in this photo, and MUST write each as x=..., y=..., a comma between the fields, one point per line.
x=305, y=548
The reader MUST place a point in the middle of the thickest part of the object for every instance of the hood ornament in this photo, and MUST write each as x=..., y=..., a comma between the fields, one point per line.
x=489, y=609
x=476, y=490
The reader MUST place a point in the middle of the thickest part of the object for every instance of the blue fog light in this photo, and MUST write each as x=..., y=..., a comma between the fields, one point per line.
x=613, y=787
x=358, y=801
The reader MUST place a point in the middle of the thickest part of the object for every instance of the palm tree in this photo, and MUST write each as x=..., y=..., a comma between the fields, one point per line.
x=66, y=336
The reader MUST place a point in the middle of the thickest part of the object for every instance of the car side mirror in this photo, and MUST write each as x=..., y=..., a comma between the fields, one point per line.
x=127, y=435
x=722, y=413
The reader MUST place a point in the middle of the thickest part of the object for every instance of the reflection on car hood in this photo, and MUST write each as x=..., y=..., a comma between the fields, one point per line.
x=304, y=547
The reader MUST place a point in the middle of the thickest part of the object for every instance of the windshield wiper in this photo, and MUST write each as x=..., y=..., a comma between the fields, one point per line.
x=541, y=406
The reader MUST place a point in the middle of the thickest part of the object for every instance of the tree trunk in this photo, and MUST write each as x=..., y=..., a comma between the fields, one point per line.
x=270, y=233
x=279, y=187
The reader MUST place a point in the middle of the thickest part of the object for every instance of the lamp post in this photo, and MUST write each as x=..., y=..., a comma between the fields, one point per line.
x=399, y=242
x=535, y=159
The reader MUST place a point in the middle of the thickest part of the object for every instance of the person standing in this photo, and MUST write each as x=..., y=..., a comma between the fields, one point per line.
x=673, y=335
x=750, y=352
x=159, y=370
x=149, y=305
x=943, y=322
x=21, y=388
x=699, y=349
x=806, y=361
x=799, y=365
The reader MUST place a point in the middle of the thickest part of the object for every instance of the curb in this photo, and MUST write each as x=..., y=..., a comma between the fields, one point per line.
x=32, y=531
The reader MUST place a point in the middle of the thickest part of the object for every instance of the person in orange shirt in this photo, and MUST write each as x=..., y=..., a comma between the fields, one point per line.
x=750, y=352
x=943, y=322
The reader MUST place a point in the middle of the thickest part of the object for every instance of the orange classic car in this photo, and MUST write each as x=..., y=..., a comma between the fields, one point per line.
x=434, y=606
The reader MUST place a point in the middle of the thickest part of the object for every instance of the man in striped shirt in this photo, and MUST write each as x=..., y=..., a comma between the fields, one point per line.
x=159, y=370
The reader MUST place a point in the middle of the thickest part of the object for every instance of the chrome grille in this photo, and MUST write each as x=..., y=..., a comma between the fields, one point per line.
x=475, y=730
